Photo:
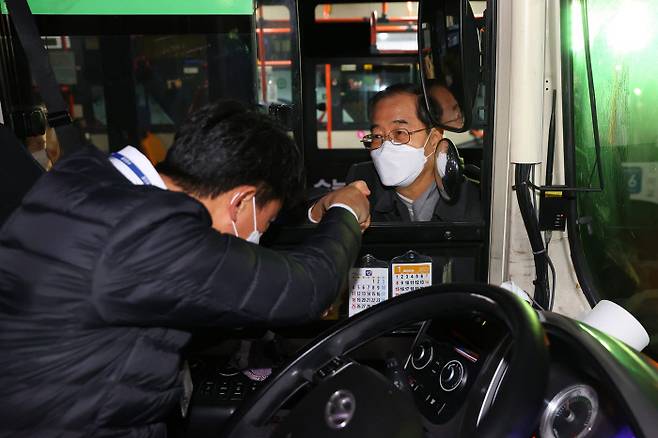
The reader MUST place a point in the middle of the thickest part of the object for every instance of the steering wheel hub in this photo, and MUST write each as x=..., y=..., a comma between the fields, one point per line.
x=340, y=409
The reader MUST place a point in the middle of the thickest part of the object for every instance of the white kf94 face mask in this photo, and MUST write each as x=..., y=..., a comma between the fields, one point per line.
x=254, y=236
x=399, y=165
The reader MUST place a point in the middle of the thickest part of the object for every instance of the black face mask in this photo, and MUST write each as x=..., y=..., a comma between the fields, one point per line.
x=453, y=173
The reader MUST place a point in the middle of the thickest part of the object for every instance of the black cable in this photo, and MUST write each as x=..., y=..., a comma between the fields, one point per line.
x=592, y=95
x=548, y=235
x=551, y=298
x=551, y=143
x=531, y=182
x=524, y=198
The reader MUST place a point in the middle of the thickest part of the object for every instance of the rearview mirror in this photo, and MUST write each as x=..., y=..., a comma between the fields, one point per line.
x=449, y=58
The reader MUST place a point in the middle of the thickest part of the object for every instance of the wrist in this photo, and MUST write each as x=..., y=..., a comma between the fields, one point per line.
x=346, y=207
x=310, y=214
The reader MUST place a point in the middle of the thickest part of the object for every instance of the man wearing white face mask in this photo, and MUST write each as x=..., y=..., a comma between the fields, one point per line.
x=405, y=176
x=95, y=315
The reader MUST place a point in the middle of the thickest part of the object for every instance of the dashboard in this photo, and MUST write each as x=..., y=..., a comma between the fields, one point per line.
x=454, y=367
x=445, y=362
x=457, y=363
x=581, y=400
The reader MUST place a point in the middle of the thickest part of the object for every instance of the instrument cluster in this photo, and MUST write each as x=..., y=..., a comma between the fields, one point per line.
x=448, y=358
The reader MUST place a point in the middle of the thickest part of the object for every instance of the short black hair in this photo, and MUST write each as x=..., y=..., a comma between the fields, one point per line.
x=227, y=144
x=405, y=88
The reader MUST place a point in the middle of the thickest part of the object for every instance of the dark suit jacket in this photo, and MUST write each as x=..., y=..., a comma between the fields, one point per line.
x=386, y=206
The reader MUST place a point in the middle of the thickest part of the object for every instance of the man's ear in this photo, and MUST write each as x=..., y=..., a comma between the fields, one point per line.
x=442, y=145
x=239, y=197
x=437, y=136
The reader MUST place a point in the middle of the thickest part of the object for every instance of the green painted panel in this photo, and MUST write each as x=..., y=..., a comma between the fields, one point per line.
x=140, y=7
x=620, y=231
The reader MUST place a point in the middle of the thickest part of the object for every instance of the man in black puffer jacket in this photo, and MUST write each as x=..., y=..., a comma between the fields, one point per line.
x=109, y=262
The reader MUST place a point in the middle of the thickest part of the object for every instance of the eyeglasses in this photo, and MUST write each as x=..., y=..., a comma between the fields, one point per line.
x=397, y=136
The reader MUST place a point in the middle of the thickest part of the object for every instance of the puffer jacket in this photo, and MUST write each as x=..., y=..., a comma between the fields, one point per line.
x=100, y=281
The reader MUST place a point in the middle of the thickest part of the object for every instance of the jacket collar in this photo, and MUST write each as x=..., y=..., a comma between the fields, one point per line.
x=390, y=205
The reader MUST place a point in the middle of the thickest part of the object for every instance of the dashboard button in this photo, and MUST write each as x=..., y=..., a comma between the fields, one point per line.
x=422, y=355
x=452, y=376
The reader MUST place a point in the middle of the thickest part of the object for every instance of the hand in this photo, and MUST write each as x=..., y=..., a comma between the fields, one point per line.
x=353, y=195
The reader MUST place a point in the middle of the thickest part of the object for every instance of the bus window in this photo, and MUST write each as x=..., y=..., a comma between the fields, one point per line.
x=278, y=63
x=344, y=86
x=343, y=92
x=169, y=80
x=274, y=40
x=617, y=227
x=132, y=79
x=366, y=48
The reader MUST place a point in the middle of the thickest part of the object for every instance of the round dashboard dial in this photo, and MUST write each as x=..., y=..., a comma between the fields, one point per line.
x=452, y=375
x=422, y=355
x=571, y=413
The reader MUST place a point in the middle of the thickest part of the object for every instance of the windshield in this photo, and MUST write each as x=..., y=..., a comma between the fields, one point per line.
x=618, y=228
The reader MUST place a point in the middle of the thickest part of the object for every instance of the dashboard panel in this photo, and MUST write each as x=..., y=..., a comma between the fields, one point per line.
x=596, y=386
x=447, y=359
x=579, y=400
x=450, y=358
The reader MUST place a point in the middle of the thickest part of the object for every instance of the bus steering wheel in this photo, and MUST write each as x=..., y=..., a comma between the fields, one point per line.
x=521, y=390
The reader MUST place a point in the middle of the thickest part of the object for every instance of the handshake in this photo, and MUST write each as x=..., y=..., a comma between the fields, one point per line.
x=354, y=196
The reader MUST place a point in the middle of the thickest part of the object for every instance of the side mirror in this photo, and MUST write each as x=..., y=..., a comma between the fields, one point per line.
x=449, y=57
x=449, y=171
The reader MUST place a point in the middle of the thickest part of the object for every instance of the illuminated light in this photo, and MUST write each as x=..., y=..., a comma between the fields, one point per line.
x=626, y=26
x=596, y=20
x=618, y=67
x=577, y=41
x=138, y=7
x=410, y=8
x=630, y=29
x=625, y=432
x=637, y=91
x=631, y=359
x=397, y=41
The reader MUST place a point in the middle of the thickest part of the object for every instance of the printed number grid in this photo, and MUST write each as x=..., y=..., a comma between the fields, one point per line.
x=408, y=277
x=368, y=286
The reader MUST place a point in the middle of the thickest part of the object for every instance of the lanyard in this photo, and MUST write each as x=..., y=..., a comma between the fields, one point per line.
x=132, y=166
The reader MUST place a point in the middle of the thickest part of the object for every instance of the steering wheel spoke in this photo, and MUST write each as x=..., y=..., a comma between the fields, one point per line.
x=335, y=366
